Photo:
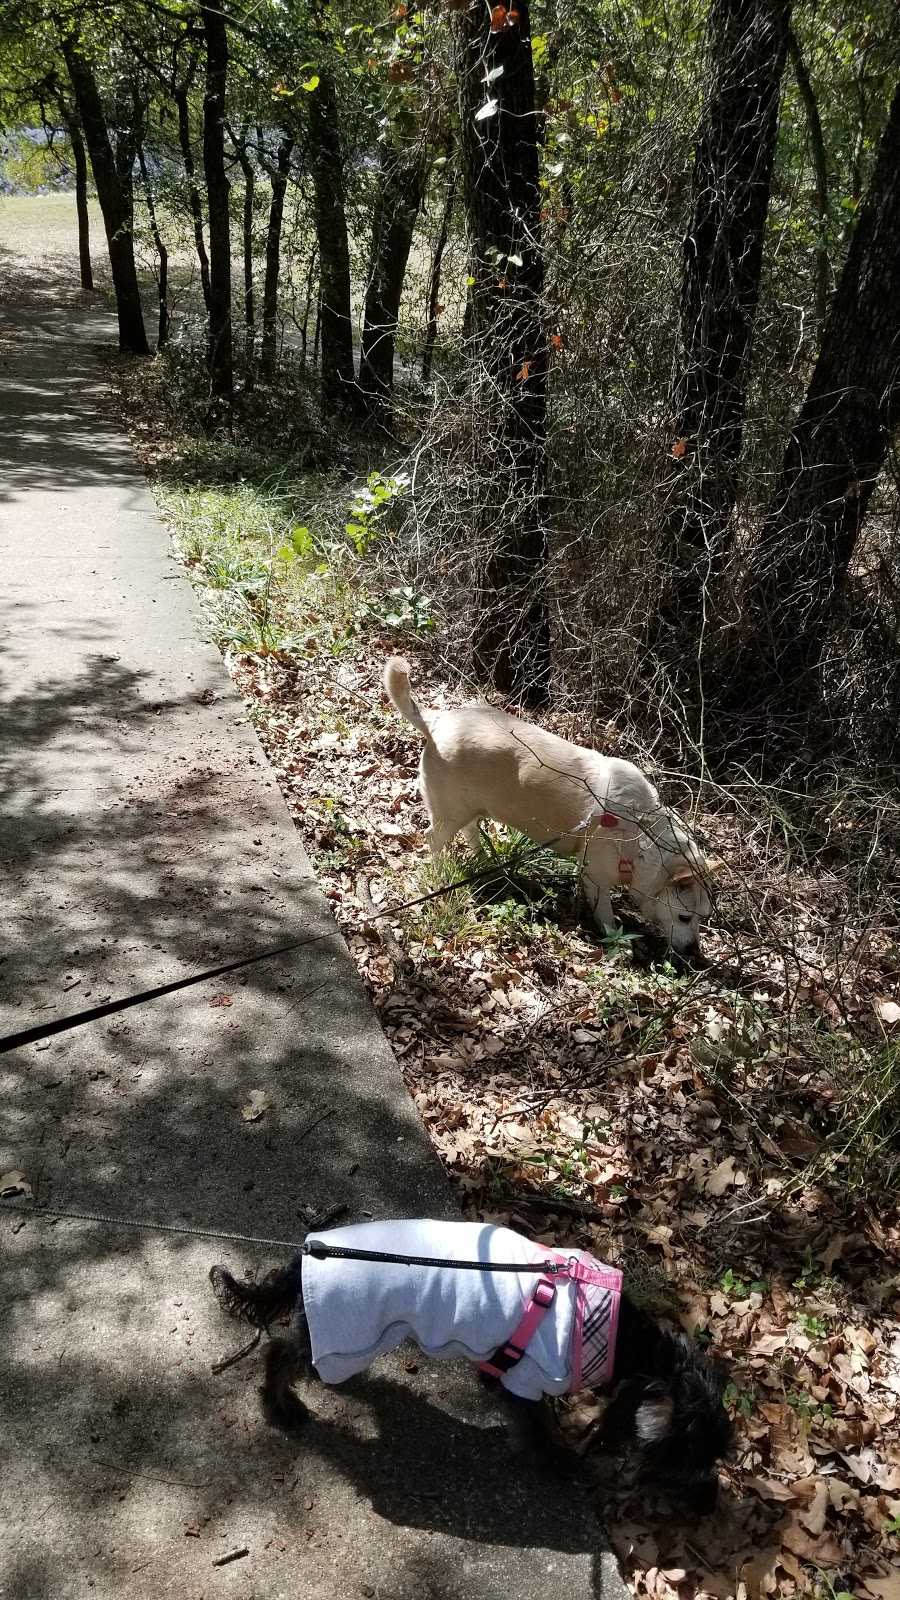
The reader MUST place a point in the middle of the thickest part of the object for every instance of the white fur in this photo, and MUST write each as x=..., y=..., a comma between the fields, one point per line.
x=479, y=762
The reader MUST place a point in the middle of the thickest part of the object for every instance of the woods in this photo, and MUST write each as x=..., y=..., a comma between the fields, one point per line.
x=624, y=285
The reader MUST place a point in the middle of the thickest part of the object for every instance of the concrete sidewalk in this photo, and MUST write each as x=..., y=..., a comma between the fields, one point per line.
x=141, y=835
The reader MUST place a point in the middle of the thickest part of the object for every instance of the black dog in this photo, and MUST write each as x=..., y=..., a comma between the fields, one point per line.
x=666, y=1397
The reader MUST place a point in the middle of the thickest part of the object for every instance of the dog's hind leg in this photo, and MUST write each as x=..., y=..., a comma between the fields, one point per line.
x=286, y=1361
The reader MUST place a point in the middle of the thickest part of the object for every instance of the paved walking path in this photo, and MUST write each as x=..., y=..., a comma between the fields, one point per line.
x=141, y=833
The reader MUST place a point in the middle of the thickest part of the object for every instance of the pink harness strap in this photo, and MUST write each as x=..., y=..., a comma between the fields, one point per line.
x=513, y=1350
x=580, y=1273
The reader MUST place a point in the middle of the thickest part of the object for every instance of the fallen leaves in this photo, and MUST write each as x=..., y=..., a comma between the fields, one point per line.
x=591, y=1102
x=14, y=1184
x=258, y=1102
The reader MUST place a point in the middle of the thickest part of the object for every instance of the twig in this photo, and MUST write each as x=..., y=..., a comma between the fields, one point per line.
x=232, y=1555
x=323, y=1117
x=385, y=933
x=151, y=1477
x=231, y=1361
x=548, y=1202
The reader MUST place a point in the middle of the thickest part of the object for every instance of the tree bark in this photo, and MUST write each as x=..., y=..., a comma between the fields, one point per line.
x=113, y=203
x=180, y=97
x=221, y=367
x=85, y=267
x=327, y=166
x=161, y=252
x=278, y=177
x=499, y=141
x=240, y=144
x=723, y=251
x=79, y=157
x=401, y=190
x=832, y=460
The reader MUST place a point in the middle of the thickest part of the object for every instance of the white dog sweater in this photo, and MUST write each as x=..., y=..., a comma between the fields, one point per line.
x=358, y=1309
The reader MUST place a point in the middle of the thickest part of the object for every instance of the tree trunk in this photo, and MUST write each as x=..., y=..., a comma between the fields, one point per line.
x=401, y=190
x=723, y=251
x=278, y=177
x=221, y=369
x=239, y=142
x=499, y=140
x=833, y=457
x=69, y=120
x=327, y=166
x=116, y=214
x=820, y=168
x=180, y=97
x=85, y=268
x=162, y=254
x=434, y=277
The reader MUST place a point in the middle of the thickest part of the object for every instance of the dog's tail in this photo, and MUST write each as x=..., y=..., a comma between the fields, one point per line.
x=260, y=1304
x=396, y=685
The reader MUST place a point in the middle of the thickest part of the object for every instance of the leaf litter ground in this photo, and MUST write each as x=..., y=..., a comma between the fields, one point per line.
x=593, y=1101
x=709, y=1131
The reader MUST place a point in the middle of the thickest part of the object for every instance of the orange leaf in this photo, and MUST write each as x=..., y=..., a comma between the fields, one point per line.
x=498, y=19
x=679, y=448
x=556, y=341
x=524, y=371
x=399, y=11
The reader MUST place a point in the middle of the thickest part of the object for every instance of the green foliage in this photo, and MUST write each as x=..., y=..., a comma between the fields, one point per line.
x=369, y=506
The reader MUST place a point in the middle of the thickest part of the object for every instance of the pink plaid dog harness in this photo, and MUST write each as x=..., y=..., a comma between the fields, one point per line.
x=599, y=1292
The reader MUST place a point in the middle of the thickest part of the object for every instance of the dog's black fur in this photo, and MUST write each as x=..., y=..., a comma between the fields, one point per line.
x=666, y=1396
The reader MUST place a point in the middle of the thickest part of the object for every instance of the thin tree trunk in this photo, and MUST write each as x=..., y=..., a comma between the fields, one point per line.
x=327, y=166
x=723, y=251
x=278, y=177
x=499, y=140
x=240, y=144
x=833, y=457
x=310, y=280
x=113, y=204
x=180, y=97
x=221, y=368
x=161, y=251
x=434, y=277
x=820, y=168
x=79, y=156
x=404, y=174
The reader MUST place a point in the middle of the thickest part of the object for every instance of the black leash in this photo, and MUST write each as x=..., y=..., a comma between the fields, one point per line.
x=317, y=1248
x=312, y=1247
x=46, y=1030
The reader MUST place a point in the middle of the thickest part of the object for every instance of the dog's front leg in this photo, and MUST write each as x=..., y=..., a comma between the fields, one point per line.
x=533, y=1431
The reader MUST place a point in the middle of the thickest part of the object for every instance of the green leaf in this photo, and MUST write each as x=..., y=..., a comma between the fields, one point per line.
x=311, y=83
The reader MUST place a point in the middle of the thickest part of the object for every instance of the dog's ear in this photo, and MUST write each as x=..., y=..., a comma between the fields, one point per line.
x=681, y=871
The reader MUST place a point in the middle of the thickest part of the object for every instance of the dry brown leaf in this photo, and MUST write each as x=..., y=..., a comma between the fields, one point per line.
x=887, y=1588
x=815, y=1515
x=14, y=1183
x=721, y=1177
x=771, y=1489
x=257, y=1103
